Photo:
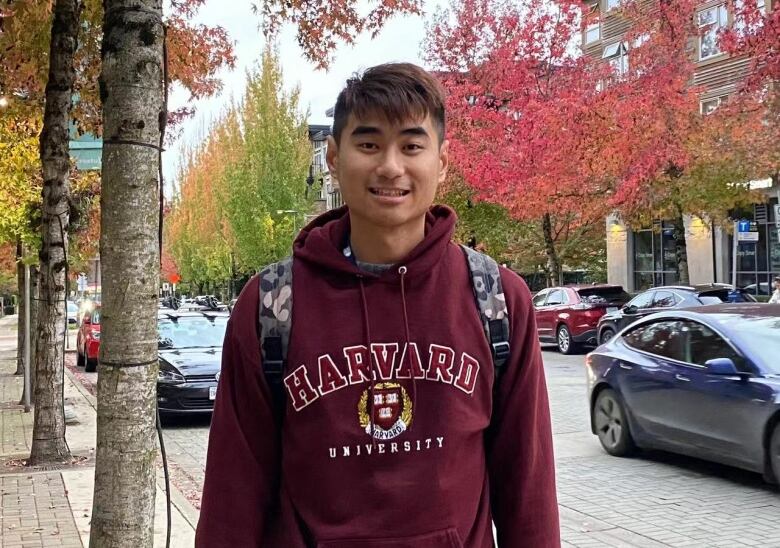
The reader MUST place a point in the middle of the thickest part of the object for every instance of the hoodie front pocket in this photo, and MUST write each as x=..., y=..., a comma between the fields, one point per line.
x=446, y=538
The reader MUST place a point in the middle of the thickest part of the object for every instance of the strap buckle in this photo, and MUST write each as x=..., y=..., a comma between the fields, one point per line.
x=500, y=351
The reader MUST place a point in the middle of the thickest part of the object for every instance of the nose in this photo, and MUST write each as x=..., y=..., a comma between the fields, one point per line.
x=390, y=164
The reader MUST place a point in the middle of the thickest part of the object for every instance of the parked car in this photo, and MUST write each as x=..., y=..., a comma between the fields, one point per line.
x=663, y=298
x=88, y=340
x=72, y=312
x=568, y=316
x=702, y=381
x=190, y=350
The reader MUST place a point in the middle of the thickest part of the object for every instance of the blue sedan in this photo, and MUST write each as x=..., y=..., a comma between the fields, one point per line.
x=703, y=382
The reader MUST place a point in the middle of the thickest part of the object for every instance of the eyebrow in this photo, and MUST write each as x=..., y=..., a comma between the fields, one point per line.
x=372, y=130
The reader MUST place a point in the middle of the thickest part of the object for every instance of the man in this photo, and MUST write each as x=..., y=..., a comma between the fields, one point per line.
x=775, y=299
x=393, y=434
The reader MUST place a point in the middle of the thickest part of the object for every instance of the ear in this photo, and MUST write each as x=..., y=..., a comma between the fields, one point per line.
x=332, y=156
x=444, y=160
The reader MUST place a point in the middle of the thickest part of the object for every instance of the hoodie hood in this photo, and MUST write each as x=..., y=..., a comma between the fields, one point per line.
x=321, y=244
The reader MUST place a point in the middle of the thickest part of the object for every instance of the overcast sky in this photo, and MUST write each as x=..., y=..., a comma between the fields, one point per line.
x=400, y=40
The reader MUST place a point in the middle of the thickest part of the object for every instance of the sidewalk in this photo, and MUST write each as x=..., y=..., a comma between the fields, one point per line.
x=52, y=507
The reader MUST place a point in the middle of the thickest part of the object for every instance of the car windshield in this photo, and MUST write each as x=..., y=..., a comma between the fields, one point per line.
x=760, y=337
x=195, y=332
x=604, y=295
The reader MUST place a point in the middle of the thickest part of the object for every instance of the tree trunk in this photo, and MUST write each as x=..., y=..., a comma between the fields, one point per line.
x=681, y=250
x=554, y=271
x=48, y=444
x=34, y=308
x=131, y=88
x=20, y=334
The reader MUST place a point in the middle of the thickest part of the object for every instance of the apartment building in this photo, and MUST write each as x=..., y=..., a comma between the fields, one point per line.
x=643, y=258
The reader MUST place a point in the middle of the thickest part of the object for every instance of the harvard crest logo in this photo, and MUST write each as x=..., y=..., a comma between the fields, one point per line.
x=392, y=411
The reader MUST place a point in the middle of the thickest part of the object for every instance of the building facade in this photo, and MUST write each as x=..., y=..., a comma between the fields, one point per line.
x=638, y=259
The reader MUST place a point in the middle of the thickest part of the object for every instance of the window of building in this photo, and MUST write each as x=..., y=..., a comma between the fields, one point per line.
x=655, y=256
x=709, y=106
x=593, y=30
x=617, y=57
x=758, y=262
x=612, y=4
x=710, y=22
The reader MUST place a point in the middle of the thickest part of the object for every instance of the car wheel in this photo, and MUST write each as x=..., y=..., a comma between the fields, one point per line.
x=91, y=365
x=79, y=358
x=774, y=454
x=609, y=419
x=606, y=335
x=566, y=344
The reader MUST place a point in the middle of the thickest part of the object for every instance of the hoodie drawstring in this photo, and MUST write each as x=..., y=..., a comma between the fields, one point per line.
x=372, y=374
x=402, y=271
x=372, y=370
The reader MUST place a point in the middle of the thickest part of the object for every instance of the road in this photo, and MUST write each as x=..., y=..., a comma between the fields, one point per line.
x=653, y=500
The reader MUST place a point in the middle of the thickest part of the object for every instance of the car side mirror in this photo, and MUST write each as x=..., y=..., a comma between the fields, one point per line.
x=722, y=366
x=630, y=309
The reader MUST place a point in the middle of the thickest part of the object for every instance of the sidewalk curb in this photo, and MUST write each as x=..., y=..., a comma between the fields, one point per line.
x=178, y=500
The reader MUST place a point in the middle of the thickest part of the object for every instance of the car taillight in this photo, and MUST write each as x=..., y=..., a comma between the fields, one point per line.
x=589, y=360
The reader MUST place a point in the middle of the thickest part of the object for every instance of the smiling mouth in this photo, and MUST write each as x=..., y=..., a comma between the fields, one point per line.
x=390, y=192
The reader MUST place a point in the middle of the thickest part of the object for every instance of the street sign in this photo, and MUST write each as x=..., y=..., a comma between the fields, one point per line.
x=747, y=231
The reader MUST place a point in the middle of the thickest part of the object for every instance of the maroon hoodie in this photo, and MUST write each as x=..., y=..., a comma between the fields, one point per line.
x=447, y=454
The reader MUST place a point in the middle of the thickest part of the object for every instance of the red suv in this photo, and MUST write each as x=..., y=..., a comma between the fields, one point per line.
x=88, y=341
x=568, y=316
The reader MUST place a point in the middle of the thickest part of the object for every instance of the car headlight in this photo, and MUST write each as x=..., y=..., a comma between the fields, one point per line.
x=168, y=374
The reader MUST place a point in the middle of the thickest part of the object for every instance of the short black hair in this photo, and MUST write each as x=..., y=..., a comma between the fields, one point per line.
x=397, y=91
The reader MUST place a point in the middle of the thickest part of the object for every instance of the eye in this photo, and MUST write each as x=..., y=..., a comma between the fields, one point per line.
x=367, y=146
x=414, y=147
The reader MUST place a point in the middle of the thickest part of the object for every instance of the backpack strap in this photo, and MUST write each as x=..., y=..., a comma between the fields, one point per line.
x=275, y=319
x=489, y=294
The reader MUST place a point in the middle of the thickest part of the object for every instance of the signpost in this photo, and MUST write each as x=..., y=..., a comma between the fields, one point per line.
x=744, y=231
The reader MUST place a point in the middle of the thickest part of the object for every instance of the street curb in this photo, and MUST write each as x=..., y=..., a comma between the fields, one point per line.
x=178, y=500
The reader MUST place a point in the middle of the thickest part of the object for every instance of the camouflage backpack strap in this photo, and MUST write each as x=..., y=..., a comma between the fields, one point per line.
x=489, y=294
x=275, y=319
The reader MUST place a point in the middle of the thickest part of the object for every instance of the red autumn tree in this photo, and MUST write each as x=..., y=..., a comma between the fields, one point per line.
x=522, y=110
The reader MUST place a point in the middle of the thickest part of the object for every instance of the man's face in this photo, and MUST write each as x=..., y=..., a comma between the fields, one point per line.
x=388, y=173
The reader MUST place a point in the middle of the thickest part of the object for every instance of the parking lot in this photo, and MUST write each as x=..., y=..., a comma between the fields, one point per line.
x=656, y=499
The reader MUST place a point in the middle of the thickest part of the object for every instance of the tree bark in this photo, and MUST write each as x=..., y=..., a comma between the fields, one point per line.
x=34, y=296
x=554, y=271
x=131, y=89
x=48, y=444
x=681, y=250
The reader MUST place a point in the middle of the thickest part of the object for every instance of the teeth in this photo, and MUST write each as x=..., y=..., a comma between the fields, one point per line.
x=388, y=192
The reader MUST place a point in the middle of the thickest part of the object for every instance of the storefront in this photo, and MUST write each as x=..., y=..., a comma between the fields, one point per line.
x=758, y=262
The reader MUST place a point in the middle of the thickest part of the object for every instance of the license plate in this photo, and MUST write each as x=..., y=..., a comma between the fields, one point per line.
x=611, y=309
x=212, y=392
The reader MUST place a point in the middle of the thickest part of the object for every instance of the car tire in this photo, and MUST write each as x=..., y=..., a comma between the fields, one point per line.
x=774, y=455
x=610, y=421
x=606, y=335
x=91, y=365
x=79, y=358
x=566, y=344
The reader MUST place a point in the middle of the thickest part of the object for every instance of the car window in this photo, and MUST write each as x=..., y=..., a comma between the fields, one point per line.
x=703, y=344
x=664, y=299
x=662, y=338
x=643, y=300
x=556, y=297
x=540, y=297
x=191, y=332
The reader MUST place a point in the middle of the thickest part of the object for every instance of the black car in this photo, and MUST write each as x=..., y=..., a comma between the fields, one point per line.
x=663, y=298
x=190, y=350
